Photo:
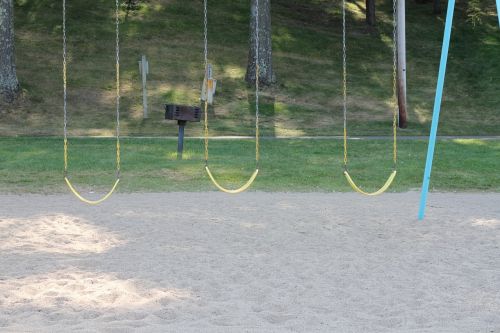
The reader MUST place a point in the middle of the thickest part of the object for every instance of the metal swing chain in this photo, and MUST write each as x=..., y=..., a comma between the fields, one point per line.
x=205, y=23
x=344, y=81
x=65, y=84
x=394, y=81
x=257, y=86
x=257, y=83
x=118, y=96
x=65, y=90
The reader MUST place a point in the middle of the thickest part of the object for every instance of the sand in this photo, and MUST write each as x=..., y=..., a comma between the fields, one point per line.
x=257, y=262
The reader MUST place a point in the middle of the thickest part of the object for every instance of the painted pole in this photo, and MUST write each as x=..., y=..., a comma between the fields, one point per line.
x=144, y=70
x=498, y=12
x=437, y=107
x=402, y=101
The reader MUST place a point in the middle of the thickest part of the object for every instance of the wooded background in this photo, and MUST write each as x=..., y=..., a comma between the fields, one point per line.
x=300, y=69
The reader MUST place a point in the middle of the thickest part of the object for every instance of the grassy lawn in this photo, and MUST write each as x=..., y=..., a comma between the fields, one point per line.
x=307, y=55
x=306, y=100
x=35, y=165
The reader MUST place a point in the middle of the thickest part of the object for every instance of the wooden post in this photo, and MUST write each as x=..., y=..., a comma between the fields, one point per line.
x=401, y=33
x=209, y=86
x=144, y=70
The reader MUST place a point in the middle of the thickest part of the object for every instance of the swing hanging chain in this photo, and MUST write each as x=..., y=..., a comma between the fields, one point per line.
x=344, y=80
x=118, y=96
x=394, y=83
x=257, y=83
x=205, y=22
x=65, y=90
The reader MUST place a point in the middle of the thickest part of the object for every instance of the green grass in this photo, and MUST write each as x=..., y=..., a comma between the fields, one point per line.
x=305, y=101
x=35, y=165
x=307, y=56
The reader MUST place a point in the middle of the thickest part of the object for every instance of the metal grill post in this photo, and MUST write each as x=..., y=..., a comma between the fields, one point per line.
x=180, y=140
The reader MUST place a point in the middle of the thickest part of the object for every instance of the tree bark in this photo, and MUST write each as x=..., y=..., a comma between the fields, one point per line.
x=437, y=7
x=9, y=85
x=370, y=12
x=266, y=72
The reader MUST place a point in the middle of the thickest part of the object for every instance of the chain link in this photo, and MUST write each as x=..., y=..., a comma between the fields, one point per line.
x=65, y=84
x=205, y=35
x=118, y=96
x=257, y=82
x=65, y=89
x=205, y=23
x=344, y=79
x=394, y=82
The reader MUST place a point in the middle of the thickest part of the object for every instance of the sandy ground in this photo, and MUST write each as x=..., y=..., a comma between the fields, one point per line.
x=257, y=262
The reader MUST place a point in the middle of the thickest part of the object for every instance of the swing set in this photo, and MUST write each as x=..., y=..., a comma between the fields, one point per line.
x=65, y=90
x=207, y=98
x=392, y=176
x=208, y=91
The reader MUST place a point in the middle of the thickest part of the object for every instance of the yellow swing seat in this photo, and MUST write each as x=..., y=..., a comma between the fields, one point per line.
x=391, y=178
x=208, y=89
x=65, y=87
x=237, y=191
x=382, y=190
x=91, y=202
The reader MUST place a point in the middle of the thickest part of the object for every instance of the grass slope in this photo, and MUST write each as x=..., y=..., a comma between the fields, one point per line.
x=35, y=165
x=307, y=55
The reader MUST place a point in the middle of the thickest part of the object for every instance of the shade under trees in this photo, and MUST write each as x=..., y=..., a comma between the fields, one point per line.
x=436, y=5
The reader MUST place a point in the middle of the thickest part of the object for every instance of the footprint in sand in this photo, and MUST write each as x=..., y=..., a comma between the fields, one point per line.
x=166, y=314
x=127, y=316
x=275, y=318
x=55, y=316
x=91, y=315
x=108, y=298
x=224, y=320
x=257, y=309
x=49, y=294
x=76, y=287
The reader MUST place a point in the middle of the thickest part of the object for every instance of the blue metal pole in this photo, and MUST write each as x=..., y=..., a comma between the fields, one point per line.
x=437, y=107
x=498, y=11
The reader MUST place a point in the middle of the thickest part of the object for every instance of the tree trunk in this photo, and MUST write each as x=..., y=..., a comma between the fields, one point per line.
x=370, y=12
x=437, y=7
x=266, y=73
x=9, y=85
